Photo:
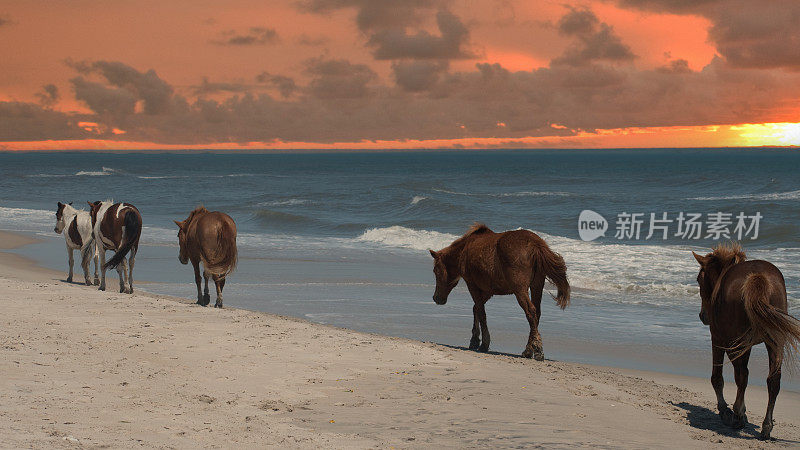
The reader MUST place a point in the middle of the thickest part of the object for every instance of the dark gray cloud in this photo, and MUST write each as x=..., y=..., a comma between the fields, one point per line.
x=416, y=76
x=253, y=36
x=285, y=85
x=6, y=20
x=102, y=99
x=386, y=25
x=216, y=87
x=345, y=101
x=338, y=78
x=595, y=40
x=48, y=96
x=748, y=34
x=376, y=15
x=156, y=95
x=397, y=43
x=30, y=122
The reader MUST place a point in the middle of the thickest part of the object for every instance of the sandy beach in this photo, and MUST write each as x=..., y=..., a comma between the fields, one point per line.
x=84, y=368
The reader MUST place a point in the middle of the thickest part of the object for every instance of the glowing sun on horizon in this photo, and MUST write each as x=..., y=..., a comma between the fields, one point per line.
x=769, y=133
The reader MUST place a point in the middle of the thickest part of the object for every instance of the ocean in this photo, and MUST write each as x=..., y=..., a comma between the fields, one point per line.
x=341, y=238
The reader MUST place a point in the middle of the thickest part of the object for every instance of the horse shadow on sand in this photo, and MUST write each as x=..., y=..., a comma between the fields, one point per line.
x=490, y=352
x=702, y=418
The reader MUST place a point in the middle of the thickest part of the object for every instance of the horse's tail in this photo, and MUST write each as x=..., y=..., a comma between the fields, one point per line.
x=767, y=323
x=555, y=269
x=133, y=229
x=226, y=254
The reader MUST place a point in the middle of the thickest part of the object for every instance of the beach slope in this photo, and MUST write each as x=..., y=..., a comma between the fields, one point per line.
x=87, y=368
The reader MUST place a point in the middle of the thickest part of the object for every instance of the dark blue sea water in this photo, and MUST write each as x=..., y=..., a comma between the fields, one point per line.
x=341, y=238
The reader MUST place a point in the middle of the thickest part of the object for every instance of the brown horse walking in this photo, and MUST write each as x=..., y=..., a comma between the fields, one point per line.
x=208, y=237
x=506, y=263
x=744, y=304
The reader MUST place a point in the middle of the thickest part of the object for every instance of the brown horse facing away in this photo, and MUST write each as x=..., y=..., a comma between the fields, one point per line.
x=208, y=237
x=511, y=262
x=744, y=304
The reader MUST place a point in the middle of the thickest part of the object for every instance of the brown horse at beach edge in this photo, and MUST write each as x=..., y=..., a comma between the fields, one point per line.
x=744, y=304
x=208, y=237
x=513, y=262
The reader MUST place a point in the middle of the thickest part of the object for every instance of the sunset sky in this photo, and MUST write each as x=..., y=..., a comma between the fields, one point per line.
x=318, y=74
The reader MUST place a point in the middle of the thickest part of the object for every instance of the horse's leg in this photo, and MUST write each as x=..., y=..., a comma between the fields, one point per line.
x=122, y=271
x=197, y=281
x=218, y=283
x=485, y=338
x=718, y=359
x=537, y=286
x=773, y=387
x=96, y=256
x=740, y=374
x=71, y=259
x=86, y=259
x=102, y=267
x=530, y=314
x=479, y=298
x=206, y=297
x=131, y=260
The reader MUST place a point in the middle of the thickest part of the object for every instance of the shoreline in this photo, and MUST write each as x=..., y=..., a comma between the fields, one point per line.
x=176, y=375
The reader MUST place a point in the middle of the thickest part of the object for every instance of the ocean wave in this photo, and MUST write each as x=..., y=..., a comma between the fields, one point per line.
x=105, y=172
x=162, y=177
x=508, y=194
x=790, y=195
x=287, y=202
x=408, y=238
x=417, y=199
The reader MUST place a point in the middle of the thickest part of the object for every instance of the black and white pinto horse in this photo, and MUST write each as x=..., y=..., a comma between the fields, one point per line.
x=117, y=227
x=77, y=227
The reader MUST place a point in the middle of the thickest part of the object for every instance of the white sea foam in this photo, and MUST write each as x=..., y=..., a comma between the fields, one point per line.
x=409, y=238
x=106, y=171
x=509, y=194
x=287, y=202
x=790, y=195
x=417, y=199
x=23, y=219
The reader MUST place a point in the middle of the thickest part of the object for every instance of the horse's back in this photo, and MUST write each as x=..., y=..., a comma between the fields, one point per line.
x=736, y=277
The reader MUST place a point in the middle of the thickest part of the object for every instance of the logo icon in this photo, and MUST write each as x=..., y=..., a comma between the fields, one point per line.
x=591, y=225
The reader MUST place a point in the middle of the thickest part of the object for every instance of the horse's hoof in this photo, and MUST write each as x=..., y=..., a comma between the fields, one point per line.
x=96, y=282
x=483, y=348
x=69, y=280
x=474, y=344
x=766, y=429
x=739, y=422
x=539, y=356
x=101, y=288
x=528, y=353
x=88, y=282
x=218, y=305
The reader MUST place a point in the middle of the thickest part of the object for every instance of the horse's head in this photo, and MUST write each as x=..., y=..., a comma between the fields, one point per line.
x=60, y=222
x=183, y=255
x=446, y=277
x=712, y=266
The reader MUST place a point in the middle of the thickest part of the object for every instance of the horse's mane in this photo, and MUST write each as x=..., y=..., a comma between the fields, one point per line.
x=476, y=228
x=728, y=254
x=199, y=210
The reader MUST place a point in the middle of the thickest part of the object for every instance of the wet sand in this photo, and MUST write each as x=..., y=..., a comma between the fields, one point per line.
x=88, y=368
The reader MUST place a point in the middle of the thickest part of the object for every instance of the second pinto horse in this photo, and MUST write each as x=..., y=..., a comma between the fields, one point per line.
x=512, y=262
x=117, y=227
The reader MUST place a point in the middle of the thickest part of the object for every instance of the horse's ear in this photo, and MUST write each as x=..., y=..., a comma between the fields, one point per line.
x=70, y=203
x=702, y=260
x=60, y=205
x=433, y=253
x=179, y=224
x=90, y=203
